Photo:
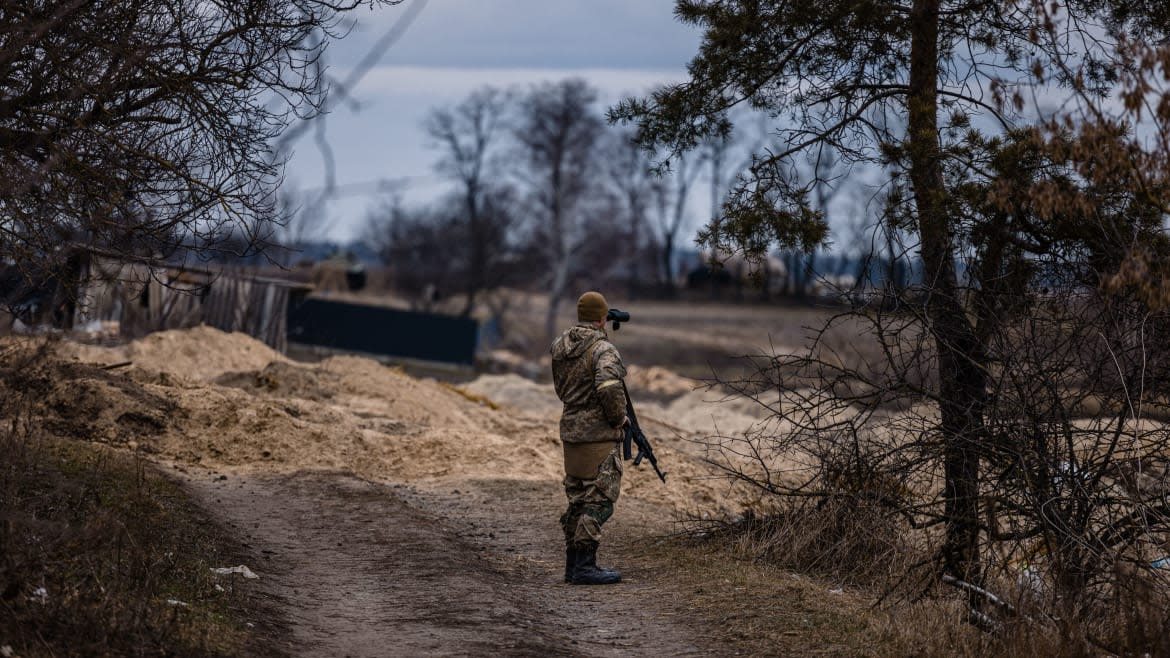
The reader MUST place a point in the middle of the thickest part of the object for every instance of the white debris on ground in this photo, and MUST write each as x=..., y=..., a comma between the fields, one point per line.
x=242, y=570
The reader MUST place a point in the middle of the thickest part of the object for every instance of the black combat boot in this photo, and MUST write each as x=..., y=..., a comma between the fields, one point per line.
x=586, y=571
x=570, y=562
x=592, y=559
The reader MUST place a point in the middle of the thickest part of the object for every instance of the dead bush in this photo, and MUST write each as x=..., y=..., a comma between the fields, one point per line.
x=1071, y=526
x=852, y=535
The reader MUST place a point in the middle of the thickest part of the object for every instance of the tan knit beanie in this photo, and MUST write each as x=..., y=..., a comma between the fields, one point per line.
x=592, y=307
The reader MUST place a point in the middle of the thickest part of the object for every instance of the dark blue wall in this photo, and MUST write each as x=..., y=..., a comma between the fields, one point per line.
x=384, y=331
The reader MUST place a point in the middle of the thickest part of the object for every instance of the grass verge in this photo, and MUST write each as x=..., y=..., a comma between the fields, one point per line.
x=100, y=554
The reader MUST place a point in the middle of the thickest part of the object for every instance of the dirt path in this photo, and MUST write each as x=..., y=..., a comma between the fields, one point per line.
x=470, y=568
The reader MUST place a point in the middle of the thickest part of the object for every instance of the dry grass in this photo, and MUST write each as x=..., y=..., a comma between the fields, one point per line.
x=99, y=554
x=760, y=608
x=848, y=542
x=844, y=579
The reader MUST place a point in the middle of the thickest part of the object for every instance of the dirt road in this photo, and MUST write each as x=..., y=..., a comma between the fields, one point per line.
x=365, y=569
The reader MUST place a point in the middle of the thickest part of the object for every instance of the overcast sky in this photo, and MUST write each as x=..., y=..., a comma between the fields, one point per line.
x=622, y=47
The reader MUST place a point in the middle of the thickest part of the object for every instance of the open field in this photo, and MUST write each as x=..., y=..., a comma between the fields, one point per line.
x=691, y=339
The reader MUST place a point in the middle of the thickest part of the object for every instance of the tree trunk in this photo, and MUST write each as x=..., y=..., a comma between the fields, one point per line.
x=559, y=282
x=477, y=269
x=810, y=272
x=668, y=261
x=961, y=376
x=562, y=259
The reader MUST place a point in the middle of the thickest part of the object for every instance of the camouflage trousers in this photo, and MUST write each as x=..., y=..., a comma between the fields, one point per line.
x=591, y=501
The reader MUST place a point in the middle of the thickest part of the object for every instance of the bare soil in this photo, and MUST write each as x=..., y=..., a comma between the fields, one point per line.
x=368, y=569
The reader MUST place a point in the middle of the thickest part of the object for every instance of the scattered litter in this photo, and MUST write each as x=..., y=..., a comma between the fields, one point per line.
x=1163, y=563
x=7, y=651
x=242, y=570
x=178, y=603
x=41, y=593
x=837, y=590
x=249, y=624
x=219, y=588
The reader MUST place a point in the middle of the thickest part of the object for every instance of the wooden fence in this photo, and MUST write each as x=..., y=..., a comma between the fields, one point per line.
x=145, y=298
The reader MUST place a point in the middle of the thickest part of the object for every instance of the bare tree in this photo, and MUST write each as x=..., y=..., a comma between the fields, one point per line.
x=671, y=193
x=729, y=157
x=628, y=169
x=432, y=252
x=467, y=135
x=145, y=126
x=821, y=179
x=302, y=219
x=559, y=132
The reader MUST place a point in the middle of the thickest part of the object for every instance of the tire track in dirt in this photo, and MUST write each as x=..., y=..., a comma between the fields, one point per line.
x=367, y=569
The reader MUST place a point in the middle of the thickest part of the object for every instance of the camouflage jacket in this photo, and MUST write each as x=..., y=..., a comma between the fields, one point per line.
x=587, y=373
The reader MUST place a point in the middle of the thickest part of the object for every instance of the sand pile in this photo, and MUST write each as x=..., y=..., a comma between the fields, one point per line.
x=505, y=361
x=284, y=379
x=659, y=382
x=518, y=393
x=364, y=418
x=201, y=353
x=226, y=402
x=712, y=412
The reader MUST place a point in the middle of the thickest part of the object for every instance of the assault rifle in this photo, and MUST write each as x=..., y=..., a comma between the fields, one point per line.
x=634, y=435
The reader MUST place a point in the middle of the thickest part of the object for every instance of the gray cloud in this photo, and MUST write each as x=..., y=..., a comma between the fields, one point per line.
x=621, y=47
x=641, y=34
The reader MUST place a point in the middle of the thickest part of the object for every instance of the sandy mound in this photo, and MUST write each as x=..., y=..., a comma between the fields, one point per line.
x=284, y=379
x=710, y=412
x=202, y=353
x=646, y=385
x=658, y=382
x=227, y=402
x=505, y=361
x=97, y=405
x=519, y=393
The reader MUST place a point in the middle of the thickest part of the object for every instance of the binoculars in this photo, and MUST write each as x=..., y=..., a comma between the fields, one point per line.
x=617, y=317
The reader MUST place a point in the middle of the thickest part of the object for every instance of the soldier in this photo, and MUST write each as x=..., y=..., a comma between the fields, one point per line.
x=587, y=373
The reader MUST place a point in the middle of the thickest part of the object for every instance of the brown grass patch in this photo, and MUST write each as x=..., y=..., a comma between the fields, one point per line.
x=99, y=553
x=760, y=608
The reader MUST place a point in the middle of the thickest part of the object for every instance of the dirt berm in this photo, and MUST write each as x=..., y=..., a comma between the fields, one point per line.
x=228, y=403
